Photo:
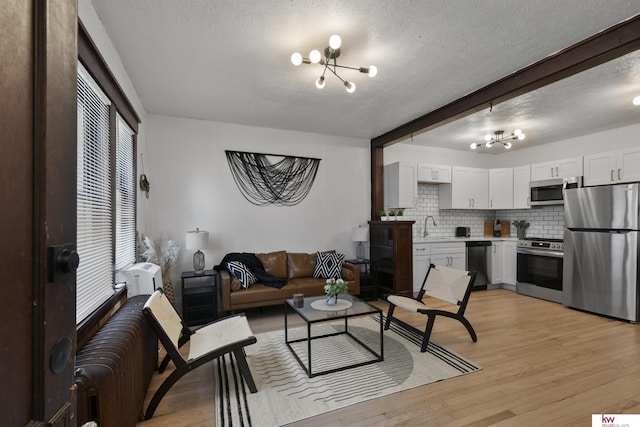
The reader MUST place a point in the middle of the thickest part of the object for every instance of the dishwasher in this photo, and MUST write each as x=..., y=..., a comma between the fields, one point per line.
x=477, y=258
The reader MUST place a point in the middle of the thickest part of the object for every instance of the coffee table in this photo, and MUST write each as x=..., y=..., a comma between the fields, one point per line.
x=313, y=316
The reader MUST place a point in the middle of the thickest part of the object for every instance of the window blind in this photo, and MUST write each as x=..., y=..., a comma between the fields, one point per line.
x=125, y=196
x=94, y=207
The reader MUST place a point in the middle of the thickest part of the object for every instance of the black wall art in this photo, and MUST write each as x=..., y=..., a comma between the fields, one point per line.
x=272, y=179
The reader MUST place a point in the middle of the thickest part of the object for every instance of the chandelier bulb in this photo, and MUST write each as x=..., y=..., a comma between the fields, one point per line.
x=296, y=58
x=487, y=137
x=474, y=146
x=315, y=56
x=350, y=86
x=521, y=136
x=489, y=144
x=636, y=100
x=335, y=41
x=320, y=82
x=517, y=132
x=507, y=145
x=373, y=71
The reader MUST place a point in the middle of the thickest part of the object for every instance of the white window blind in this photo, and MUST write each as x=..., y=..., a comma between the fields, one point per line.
x=94, y=207
x=125, y=196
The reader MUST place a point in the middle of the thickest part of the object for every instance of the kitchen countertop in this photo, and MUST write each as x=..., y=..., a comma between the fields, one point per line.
x=462, y=239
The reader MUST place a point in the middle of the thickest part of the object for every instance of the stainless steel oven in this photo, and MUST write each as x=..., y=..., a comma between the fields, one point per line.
x=539, y=269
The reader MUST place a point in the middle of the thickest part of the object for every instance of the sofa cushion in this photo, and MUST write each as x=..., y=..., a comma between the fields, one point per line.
x=262, y=294
x=328, y=265
x=347, y=274
x=310, y=286
x=242, y=273
x=301, y=265
x=275, y=263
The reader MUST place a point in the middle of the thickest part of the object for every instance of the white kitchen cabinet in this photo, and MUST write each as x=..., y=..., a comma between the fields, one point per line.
x=496, y=263
x=510, y=265
x=612, y=167
x=521, y=192
x=421, y=261
x=564, y=168
x=431, y=173
x=469, y=189
x=450, y=254
x=501, y=188
x=400, y=185
x=503, y=263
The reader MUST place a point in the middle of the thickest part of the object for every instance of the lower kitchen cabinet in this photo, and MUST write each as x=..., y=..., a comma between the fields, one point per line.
x=391, y=257
x=449, y=254
x=502, y=263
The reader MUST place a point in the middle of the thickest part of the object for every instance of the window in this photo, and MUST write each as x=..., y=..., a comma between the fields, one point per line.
x=106, y=184
x=94, y=226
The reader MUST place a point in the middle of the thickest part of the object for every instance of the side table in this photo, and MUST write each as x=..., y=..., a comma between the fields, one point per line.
x=367, y=284
x=199, y=297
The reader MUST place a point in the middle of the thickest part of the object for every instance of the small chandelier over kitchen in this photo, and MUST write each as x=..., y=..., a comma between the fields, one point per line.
x=498, y=137
x=330, y=62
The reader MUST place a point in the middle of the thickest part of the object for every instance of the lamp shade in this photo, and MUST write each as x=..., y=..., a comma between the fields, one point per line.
x=197, y=239
x=360, y=234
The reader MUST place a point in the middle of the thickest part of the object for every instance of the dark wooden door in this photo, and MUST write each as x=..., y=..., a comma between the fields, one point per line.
x=38, y=65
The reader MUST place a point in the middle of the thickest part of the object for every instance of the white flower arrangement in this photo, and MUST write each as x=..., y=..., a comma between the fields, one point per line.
x=335, y=287
x=152, y=253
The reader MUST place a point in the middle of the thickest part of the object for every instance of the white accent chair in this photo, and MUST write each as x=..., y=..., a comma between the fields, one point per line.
x=444, y=283
x=228, y=335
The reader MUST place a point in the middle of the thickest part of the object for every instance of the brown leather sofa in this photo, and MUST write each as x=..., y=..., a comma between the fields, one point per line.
x=297, y=268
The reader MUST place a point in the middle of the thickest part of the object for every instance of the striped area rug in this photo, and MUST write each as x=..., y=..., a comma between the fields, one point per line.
x=285, y=393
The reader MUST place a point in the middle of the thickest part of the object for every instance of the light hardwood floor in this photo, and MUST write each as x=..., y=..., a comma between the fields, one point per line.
x=542, y=364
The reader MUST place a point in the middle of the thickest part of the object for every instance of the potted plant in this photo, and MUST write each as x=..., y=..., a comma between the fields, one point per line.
x=333, y=288
x=392, y=215
x=399, y=214
x=383, y=215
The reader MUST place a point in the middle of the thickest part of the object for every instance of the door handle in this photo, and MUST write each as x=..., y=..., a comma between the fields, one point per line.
x=528, y=200
x=557, y=171
x=611, y=175
x=63, y=260
x=552, y=171
x=619, y=174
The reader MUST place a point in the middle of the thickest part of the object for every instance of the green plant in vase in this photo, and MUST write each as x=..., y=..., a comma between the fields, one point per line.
x=399, y=214
x=333, y=288
x=392, y=215
x=383, y=215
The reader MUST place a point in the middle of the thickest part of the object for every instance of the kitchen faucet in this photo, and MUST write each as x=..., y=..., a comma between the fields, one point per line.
x=425, y=233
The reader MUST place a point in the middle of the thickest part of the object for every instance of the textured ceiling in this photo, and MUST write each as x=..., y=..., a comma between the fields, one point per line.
x=229, y=61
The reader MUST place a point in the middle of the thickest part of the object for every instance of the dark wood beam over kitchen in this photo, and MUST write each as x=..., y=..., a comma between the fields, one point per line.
x=609, y=44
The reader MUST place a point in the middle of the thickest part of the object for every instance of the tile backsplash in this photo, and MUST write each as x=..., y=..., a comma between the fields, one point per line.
x=547, y=221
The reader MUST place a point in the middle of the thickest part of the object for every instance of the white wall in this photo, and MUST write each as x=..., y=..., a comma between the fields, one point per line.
x=192, y=186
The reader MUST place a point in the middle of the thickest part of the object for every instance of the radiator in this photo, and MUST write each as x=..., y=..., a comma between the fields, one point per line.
x=114, y=368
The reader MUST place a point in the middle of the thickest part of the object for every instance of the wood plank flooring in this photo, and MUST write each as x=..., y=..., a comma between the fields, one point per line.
x=542, y=364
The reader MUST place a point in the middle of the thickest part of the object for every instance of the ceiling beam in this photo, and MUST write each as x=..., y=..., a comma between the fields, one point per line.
x=609, y=44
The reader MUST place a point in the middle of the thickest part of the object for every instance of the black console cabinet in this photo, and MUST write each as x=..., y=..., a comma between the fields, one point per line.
x=199, y=297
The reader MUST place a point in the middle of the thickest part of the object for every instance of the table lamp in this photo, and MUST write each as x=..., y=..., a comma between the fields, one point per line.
x=360, y=234
x=197, y=240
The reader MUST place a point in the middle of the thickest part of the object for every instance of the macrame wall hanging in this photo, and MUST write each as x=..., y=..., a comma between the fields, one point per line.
x=272, y=179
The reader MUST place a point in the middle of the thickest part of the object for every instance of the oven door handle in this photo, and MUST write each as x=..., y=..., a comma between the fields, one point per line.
x=540, y=252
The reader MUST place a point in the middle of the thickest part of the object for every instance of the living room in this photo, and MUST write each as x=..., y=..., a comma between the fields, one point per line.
x=191, y=187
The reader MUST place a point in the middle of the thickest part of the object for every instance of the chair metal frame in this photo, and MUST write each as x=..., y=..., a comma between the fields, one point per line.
x=431, y=313
x=184, y=366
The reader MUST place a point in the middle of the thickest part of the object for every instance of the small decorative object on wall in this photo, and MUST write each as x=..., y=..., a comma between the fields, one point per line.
x=144, y=182
x=285, y=182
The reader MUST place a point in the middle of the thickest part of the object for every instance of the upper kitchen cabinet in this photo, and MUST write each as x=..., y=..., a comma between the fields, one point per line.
x=612, y=167
x=521, y=193
x=557, y=169
x=469, y=189
x=434, y=174
x=400, y=185
x=501, y=188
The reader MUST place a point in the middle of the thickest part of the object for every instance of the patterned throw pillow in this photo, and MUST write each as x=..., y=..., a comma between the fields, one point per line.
x=328, y=266
x=242, y=273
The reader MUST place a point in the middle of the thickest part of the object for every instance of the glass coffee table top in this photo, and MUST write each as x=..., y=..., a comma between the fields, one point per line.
x=311, y=315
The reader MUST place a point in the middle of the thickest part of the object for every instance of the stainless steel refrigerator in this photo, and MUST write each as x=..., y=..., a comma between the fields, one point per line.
x=600, y=272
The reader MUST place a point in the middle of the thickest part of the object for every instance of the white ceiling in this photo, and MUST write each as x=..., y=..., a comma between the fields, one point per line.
x=228, y=61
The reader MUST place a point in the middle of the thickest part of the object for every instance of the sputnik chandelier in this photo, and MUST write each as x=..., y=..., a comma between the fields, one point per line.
x=329, y=62
x=498, y=137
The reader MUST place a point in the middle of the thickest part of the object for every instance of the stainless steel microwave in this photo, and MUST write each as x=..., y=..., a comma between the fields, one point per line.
x=551, y=191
